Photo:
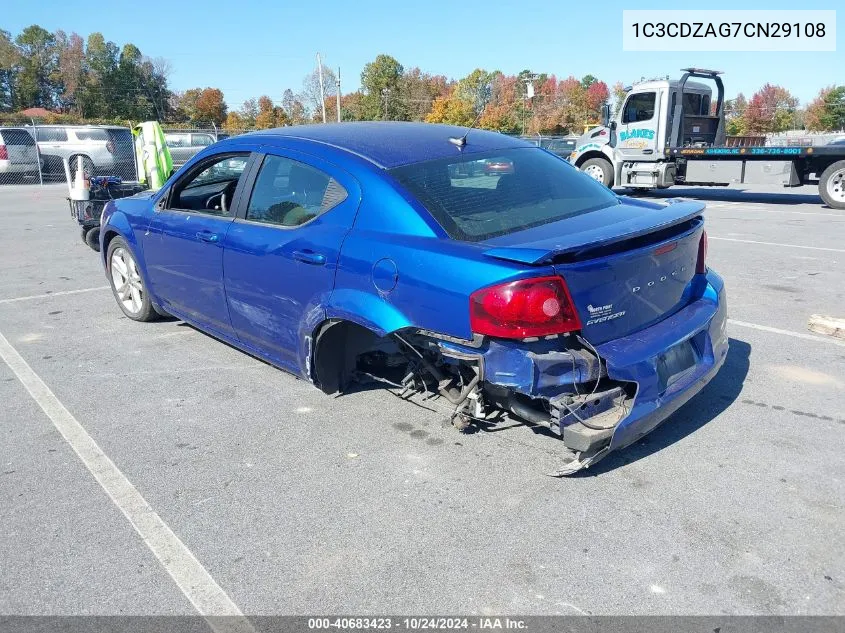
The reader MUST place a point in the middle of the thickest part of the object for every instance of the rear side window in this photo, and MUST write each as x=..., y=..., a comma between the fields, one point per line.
x=16, y=137
x=177, y=140
x=290, y=193
x=51, y=134
x=201, y=140
x=477, y=197
x=639, y=107
x=92, y=135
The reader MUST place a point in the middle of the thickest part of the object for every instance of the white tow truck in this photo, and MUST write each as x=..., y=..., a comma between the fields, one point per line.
x=669, y=132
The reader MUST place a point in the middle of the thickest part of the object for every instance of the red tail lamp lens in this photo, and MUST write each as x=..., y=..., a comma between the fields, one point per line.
x=524, y=308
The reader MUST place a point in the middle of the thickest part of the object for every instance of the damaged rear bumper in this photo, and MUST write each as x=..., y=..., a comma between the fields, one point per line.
x=637, y=359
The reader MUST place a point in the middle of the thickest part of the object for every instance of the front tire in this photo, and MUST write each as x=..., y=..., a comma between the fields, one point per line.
x=598, y=169
x=832, y=185
x=127, y=284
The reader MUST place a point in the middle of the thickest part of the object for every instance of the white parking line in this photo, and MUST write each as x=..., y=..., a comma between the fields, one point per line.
x=812, y=248
x=801, y=335
x=53, y=294
x=183, y=567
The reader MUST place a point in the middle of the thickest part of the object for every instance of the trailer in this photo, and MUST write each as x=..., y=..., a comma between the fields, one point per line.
x=669, y=132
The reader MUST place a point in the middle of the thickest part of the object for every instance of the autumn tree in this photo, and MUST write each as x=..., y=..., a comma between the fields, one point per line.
x=248, y=113
x=210, y=106
x=619, y=94
x=294, y=109
x=827, y=111
x=418, y=91
x=770, y=109
x=269, y=115
x=735, y=115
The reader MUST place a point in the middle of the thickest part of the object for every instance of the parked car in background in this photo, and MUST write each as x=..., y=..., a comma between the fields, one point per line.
x=563, y=147
x=497, y=167
x=106, y=150
x=184, y=145
x=359, y=252
x=18, y=155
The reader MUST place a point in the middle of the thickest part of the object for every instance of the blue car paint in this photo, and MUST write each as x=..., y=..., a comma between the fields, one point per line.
x=390, y=266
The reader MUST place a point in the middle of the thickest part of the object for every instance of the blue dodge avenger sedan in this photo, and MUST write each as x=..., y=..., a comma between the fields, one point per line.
x=388, y=252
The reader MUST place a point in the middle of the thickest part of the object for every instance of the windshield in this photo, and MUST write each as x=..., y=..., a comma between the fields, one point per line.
x=481, y=196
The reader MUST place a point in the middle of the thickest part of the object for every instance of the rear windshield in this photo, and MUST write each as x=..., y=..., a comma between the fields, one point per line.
x=481, y=196
x=16, y=137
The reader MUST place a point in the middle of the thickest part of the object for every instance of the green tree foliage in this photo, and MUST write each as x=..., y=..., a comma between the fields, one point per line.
x=91, y=79
x=826, y=112
x=380, y=83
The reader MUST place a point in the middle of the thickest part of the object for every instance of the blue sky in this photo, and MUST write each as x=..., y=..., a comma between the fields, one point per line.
x=250, y=48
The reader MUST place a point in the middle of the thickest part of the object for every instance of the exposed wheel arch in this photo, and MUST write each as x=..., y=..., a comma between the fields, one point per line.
x=337, y=344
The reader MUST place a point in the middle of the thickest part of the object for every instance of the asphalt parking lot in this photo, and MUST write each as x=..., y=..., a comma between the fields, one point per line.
x=293, y=502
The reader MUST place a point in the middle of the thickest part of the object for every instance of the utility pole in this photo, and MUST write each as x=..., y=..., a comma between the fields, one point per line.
x=322, y=92
x=337, y=85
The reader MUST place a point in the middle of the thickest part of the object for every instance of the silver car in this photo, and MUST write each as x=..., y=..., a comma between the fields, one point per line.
x=106, y=150
x=18, y=155
x=183, y=145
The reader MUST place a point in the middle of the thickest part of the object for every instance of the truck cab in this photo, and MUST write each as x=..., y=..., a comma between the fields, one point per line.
x=628, y=150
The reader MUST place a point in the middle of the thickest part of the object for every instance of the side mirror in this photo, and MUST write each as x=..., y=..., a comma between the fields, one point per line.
x=605, y=114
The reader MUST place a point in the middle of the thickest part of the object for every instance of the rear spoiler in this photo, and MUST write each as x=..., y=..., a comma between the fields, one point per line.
x=676, y=212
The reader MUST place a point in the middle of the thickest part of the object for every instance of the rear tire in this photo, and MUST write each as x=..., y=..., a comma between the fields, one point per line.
x=598, y=169
x=92, y=238
x=832, y=185
x=126, y=282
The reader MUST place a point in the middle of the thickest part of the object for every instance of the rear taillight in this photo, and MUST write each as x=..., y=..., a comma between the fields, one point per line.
x=4, y=153
x=524, y=308
x=701, y=262
x=110, y=147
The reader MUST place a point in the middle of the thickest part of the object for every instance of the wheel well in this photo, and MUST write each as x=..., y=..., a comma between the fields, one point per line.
x=337, y=345
x=591, y=154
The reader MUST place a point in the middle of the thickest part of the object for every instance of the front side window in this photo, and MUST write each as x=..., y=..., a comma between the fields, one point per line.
x=478, y=197
x=639, y=107
x=291, y=193
x=210, y=188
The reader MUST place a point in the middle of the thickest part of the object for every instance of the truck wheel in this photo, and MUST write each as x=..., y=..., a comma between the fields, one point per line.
x=598, y=169
x=832, y=185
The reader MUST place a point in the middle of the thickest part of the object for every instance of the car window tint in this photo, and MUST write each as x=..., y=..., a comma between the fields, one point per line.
x=475, y=198
x=91, y=135
x=290, y=193
x=201, y=140
x=53, y=134
x=16, y=137
x=212, y=188
x=639, y=107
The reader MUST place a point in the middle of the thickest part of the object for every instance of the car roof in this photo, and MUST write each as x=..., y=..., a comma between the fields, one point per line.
x=84, y=127
x=388, y=144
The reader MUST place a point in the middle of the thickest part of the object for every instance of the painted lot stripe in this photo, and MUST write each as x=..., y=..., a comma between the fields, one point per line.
x=720, y=207
x=801, y=335
x=61, y=293
x=811, y=248
x=183, y=567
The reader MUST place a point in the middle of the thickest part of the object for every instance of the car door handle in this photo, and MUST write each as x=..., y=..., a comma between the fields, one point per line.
x=208, y=236
x=309, y=257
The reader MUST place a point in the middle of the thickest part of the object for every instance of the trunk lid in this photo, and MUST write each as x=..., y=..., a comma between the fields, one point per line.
x=626, y=267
